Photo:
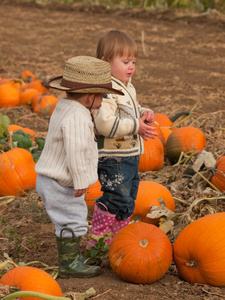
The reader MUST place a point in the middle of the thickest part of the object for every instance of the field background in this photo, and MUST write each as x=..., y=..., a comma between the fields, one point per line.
x=181, y=67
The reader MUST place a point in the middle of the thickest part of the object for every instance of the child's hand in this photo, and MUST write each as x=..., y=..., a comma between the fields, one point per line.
x=145, y=130
x=149, y=117
x=79, y=193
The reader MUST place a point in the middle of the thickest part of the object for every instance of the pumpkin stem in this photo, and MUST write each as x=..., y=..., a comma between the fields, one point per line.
x=143, y=243
x=33, y=294
x=192, y=264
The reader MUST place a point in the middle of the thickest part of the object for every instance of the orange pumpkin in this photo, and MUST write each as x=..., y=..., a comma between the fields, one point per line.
x=184, y=139
x=9, y=95
x=159, y=133
x=140, y=253
x=17, y=172
x=166, y=132
x=42, y=103
x=199, y=251
x=93, y=192
x=163, y=120
x=148, y=195
x=15, y=128
x=32, y=279
x=153, y=157
x=37, y=85
x=27, y=76
x=26, y=96
x=218, y=174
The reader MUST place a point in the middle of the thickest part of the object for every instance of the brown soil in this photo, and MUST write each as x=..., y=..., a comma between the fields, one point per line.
x=181, y=66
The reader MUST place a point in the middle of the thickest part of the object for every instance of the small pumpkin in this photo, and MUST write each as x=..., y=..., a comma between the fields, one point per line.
x=17, y=172
x=26, y=96
x=140, y=253
x=163, y=120
x=27, y=76
x=32, y=279
x=153, y=157
x=199, y=251
x=166, y=132
x=9, y=95
x=184, y=139
x=218, y=174
x=93, y=192
x=148, y=195
x=37, y=85
x=15, y=128
x=42, y=103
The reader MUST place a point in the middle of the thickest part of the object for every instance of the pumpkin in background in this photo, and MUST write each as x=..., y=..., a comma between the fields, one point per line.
x=149, y=193
x=93, y=193
x=184, y=139
x=140, y=253
x=166, y=132
x=199, y=251
x=9, y=95
x=27, y=76
x=153, y=157
x=17, y=172
x=218, y=174
x=15, y=128
x=159, y=133
x=163, y=120
x=32, y=279
x=37, y=85
x=26, y=96
x=42, y=103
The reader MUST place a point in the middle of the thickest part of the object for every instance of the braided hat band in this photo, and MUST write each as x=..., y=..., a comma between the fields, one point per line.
x=85, y=74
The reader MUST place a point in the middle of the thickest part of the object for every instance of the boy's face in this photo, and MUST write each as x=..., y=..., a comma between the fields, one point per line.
x=123, y=68
x=97, y=102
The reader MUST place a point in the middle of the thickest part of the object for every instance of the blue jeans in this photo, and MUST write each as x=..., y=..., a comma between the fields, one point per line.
x=120, y=180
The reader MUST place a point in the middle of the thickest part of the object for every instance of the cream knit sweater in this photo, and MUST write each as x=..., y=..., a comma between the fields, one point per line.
x=70, y=153
x=117, y=123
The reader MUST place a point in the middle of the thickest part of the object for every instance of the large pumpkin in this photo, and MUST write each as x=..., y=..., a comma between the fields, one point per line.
x=17, y=172
x=32, y=279
x=149, y=193
x=218, y=174
x=140, y=253
x=9, y=95
x=153, y=157
x=184, y=139
x=93, y=193
x=199, y=251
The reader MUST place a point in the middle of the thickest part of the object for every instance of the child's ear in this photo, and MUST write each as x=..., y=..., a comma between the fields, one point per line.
x=103, y=58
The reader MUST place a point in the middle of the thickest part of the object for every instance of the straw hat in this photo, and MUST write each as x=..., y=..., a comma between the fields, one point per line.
x=85, y=74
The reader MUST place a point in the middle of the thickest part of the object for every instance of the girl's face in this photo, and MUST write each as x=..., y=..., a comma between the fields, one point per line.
x=123, y=68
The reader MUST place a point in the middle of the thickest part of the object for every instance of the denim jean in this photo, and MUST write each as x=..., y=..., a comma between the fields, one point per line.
x=119, y=179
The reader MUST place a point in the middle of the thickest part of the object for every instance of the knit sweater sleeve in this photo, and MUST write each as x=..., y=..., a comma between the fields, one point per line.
x=109, y=124
x=76, y=144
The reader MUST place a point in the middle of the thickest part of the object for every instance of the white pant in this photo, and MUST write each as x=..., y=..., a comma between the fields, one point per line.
x=63, y=208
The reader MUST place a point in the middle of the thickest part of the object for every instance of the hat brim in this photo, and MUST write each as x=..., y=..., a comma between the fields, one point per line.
x=55, y=83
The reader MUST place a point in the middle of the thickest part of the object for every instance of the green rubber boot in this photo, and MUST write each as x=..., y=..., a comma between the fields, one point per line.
x=71, y=261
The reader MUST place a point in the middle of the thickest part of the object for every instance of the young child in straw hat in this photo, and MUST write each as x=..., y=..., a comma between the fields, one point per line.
x=121, y=124
x=68, y=163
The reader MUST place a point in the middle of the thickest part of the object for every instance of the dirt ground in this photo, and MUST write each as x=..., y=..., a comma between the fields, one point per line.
x=181, y=66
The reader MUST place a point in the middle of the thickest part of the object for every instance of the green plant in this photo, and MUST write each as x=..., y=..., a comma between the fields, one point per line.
x=98, y=251
x=11, y=233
